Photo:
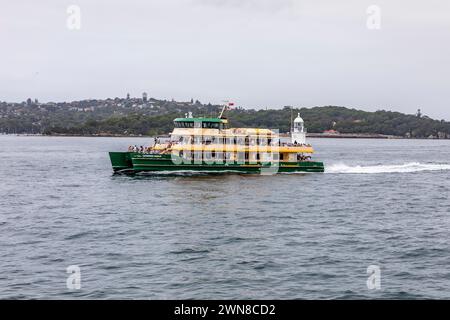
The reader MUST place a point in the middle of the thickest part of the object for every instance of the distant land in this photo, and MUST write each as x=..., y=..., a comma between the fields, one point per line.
x=148, y=117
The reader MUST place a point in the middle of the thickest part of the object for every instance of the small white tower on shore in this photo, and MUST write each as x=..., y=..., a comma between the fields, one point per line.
x=298, y=131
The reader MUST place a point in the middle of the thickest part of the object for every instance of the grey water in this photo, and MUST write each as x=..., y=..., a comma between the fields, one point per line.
x=287, y=236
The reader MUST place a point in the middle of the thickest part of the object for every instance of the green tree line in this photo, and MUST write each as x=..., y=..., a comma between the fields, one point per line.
x=160, y=121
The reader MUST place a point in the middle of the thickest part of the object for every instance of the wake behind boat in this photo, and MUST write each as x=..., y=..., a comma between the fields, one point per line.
x=208, y=144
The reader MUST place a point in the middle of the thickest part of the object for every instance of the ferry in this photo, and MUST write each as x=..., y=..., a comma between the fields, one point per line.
x=208, y=144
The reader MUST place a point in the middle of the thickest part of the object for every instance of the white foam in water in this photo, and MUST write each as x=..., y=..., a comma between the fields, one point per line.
x=401, y=168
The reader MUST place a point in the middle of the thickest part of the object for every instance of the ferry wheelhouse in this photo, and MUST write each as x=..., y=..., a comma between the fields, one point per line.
x=209, y=144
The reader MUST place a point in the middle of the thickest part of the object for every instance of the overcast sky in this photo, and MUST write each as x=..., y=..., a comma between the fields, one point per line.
x=258, y=53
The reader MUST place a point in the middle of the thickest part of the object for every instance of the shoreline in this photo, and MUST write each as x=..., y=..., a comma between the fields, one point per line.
x=283, y=135
x=354, y=136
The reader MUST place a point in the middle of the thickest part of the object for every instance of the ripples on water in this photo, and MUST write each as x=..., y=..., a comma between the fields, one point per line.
x=383, y=202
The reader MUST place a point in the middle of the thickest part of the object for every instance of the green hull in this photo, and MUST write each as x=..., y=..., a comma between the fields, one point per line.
x=121, y=161
x=130, y=162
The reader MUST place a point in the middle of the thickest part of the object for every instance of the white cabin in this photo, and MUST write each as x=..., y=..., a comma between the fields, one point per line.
x=298, y=132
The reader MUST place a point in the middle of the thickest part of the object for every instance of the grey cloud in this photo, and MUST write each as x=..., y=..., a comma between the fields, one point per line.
x=258, y=53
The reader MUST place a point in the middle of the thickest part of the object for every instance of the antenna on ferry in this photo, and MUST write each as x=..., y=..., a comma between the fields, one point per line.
x=226, y=106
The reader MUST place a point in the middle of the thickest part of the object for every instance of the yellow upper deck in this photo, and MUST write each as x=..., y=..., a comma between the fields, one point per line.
x=216, y=136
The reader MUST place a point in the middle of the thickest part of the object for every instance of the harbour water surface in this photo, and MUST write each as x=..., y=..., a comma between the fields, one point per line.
x=289, y=236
